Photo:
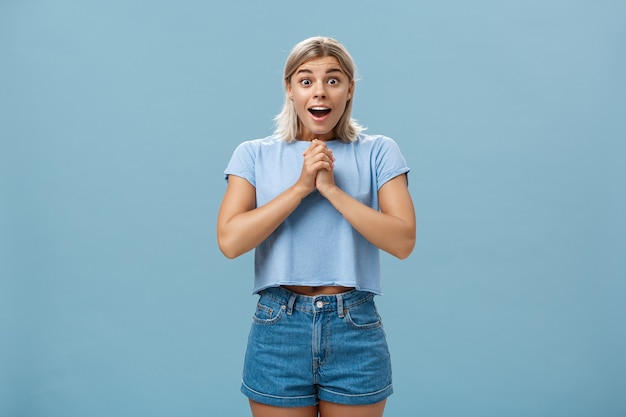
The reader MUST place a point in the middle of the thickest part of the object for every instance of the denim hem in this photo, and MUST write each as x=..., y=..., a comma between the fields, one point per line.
x=278, y=401
x=355, y=399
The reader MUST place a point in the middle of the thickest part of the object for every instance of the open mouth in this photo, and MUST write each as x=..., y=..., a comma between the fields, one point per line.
x=319, y=111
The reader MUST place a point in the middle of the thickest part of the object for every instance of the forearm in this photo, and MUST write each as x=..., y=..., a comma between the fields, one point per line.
x=389, y=233
x=245, y=231
x=242, y=226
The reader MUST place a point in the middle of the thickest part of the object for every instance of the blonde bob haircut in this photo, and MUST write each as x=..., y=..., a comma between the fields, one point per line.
x=287, y=122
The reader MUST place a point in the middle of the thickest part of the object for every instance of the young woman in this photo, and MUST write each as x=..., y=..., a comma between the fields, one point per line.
x=317, y=200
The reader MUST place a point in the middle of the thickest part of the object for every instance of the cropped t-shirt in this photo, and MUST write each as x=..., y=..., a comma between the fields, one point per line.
x=315, y=245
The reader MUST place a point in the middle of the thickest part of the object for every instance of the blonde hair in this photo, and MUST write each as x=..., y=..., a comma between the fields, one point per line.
x=287, y=122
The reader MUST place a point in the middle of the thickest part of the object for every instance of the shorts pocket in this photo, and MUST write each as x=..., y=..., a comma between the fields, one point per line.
x=363, y=316
x=268, y=312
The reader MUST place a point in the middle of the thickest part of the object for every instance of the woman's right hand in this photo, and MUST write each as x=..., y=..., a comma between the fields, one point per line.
x=316, y=157
x=242, y=226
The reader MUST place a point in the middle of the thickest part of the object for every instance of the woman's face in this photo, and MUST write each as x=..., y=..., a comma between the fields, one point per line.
x=320, y=90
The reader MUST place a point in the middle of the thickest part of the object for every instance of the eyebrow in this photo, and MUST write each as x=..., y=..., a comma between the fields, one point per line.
x=329, y=71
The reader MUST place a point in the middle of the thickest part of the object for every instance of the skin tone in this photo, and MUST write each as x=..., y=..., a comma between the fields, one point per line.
x=325, y=409
x=320, y=90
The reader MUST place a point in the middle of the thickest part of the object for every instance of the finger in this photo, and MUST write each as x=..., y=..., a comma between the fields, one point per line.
x=319, y=159
x=313, y=145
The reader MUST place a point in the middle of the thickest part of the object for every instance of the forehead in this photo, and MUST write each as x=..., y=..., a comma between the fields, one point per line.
x=324, y=63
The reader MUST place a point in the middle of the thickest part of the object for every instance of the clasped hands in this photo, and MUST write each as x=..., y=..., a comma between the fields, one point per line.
x=317, y=167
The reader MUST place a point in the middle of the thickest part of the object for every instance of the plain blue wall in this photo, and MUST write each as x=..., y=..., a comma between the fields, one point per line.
x=117, y=119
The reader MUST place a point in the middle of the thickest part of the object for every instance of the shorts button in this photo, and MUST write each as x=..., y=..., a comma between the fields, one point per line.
x=319, y=304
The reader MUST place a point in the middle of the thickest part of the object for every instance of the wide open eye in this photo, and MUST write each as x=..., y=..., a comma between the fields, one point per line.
x=305, y=82
x=333, y=81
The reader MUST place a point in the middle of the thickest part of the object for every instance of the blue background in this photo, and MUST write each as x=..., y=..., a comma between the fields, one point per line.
x=118, y=117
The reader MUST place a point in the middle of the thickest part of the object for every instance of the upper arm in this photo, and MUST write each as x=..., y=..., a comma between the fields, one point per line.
x=395, y=200
x=240, y=197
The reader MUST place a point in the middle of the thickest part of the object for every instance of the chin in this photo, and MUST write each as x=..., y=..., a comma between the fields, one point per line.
x=321, y=131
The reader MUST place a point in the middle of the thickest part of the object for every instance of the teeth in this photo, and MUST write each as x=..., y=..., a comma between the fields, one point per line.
x=319, y=108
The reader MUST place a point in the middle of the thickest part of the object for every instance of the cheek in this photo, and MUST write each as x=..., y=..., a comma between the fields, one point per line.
x=342, y=107
x=299, y=100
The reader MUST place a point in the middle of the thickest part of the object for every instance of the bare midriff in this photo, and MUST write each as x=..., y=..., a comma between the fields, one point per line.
x=312, y=291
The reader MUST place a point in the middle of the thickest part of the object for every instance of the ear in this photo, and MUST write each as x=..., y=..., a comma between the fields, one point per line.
x=288, y=89
x=351, y=90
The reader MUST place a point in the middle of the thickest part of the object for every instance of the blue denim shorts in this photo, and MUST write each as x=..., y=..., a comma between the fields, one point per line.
x=305, y=349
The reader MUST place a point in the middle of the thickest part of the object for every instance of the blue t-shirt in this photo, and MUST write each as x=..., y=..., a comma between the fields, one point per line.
x=315, y=245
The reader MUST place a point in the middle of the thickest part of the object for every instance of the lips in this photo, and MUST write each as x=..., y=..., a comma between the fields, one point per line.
x=319, y=111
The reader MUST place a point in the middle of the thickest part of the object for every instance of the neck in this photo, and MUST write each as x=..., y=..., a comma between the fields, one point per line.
x=324, y=138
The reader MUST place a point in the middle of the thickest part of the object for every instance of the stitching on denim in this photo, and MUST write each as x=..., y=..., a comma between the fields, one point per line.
x=276, y=396
x=388, y=387
x=364, y=299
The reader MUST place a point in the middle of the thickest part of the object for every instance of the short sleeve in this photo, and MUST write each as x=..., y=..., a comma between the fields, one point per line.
x=389, y=161
x=242, y=163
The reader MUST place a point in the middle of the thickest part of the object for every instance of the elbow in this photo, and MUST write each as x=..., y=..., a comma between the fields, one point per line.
x=230, y=254
x=227, y=248
x=404, y=252
x=231, y=248
x=229, y=251
x=405, y=248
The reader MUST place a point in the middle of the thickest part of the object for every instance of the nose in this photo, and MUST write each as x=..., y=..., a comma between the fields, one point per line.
x=319, y=91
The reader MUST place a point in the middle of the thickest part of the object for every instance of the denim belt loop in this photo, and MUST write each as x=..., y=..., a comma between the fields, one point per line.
x=290, y=303
x=340, y=305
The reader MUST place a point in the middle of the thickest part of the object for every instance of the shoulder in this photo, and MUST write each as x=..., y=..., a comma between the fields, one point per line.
x=375, y=142
x=255, y=144
x=385, y=153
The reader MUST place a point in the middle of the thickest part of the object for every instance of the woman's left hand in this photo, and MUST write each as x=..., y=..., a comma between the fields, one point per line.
x=325, y=178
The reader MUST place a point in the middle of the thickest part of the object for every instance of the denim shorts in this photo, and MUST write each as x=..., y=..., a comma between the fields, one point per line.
x=304, y=349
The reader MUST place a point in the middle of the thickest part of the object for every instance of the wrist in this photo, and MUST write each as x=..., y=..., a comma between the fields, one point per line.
x=300, y=191
x=328, y=191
